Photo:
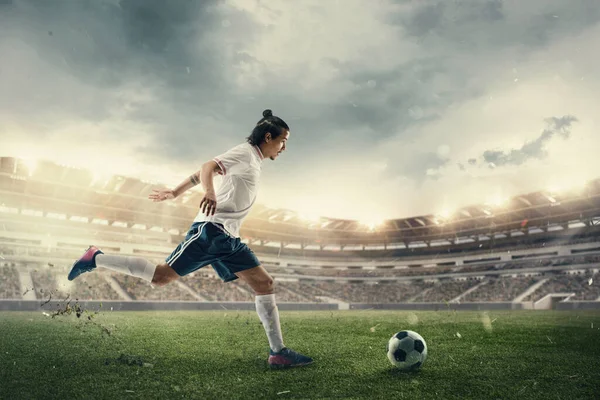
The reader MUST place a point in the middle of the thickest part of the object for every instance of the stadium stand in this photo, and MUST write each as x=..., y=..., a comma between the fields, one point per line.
x=446, y=290
x=539, y=245
x=582, y=284
x=139, y=289
x=378, y=292
x=9, y=283
x=504, y=288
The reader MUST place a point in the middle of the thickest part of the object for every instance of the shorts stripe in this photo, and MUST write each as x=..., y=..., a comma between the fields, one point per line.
x=185, y=244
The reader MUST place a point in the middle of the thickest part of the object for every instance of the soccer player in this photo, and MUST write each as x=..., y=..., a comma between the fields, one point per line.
x=213, y=237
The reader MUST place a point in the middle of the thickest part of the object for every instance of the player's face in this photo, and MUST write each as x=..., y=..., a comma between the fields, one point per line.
x=274, y=147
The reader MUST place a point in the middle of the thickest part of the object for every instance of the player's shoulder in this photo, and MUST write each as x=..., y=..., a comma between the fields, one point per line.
x=242, y=148
x=241, y=153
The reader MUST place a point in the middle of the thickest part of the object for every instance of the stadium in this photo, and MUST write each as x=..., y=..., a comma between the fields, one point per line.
x=460, y=279
x=536, y=251
x=406, y=199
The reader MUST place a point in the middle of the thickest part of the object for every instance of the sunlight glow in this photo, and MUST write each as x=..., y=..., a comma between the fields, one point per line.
x=309, y=217
x=497, y=200
x=445, y=213
x=31, y=164
x=572, y=184
x=372, y=223
x=100, y=177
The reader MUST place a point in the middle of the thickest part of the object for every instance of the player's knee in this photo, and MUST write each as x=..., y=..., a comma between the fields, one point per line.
x=160, y=280
x=163, y=275
x=266, y=286
x=157, y=280
x=165, y=280
x=269, y=283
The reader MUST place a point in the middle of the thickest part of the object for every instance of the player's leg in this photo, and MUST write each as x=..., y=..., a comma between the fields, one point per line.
x=242, y=263
x=266, y=307
x=258, y=279
x=262, y=283
x=164, y=274
x=94, y=257
x=187, y=257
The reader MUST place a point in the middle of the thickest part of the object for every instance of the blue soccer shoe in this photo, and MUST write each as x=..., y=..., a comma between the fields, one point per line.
x=86, y=263
x=287, y=358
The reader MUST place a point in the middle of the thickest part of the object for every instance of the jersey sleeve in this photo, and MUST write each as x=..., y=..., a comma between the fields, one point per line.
x=233, y=161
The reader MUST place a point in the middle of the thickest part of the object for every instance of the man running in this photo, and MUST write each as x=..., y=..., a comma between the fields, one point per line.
x=214, y=235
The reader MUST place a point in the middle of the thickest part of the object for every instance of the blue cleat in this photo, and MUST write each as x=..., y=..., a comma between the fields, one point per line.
x=287, y=358
x=86, y=263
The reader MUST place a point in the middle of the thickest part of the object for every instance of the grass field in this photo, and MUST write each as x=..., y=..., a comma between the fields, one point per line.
x=222, y=355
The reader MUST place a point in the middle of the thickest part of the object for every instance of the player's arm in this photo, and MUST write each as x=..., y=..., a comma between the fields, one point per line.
x=207, y=172
x=208, y=204
x=229, y=163
x=191, y=181
x=198, y=177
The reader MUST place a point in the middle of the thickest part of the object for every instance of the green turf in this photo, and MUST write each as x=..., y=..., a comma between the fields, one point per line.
x=222, y=355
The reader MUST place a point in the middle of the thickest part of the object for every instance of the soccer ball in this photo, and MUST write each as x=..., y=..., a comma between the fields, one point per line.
x=407, y=350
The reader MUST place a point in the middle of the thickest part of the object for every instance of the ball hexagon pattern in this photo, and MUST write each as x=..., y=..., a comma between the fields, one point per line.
x=407, y=350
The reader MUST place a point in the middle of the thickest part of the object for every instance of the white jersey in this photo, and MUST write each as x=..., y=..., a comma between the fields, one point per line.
x=240, y=168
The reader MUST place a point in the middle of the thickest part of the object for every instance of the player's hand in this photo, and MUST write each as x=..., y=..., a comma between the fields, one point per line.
x=161, y=195
x=208, y=205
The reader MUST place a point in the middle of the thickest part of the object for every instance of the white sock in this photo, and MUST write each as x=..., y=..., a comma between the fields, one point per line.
x=269, y=316
x=134, y=266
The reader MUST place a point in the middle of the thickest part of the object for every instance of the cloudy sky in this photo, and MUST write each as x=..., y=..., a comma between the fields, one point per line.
x=396, y=108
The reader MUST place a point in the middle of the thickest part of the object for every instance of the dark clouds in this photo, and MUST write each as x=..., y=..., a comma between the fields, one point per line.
x=441, y=16
x=534, y=149
x=388, y=101
x=91, y=52
x=183, y=52
x=191, y=78
x=498, y=23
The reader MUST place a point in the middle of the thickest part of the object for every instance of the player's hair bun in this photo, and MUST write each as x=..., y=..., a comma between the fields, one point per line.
x=267, y=113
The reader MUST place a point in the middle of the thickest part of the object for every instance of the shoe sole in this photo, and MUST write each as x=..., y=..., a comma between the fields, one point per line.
x=76, y=276
x=284, y=366
x=78, y=261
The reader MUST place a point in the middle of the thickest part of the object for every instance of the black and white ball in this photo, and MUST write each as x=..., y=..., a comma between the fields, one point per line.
x=407, y=350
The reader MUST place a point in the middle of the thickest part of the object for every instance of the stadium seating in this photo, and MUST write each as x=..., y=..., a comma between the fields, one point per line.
x=206, y=286
x=446, y=290
x=585, y=285
x=9, y=283
x=500, y=289
x=138, y=289
x=42, y=234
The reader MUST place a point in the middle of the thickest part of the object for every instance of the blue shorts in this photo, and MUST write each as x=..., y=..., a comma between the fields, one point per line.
x=208, y=243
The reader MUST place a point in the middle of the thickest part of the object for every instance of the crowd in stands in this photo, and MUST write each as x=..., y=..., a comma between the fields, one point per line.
x=66, y=253
x=500, y=289
x=302, y=292
x=293, y=292
x=45, y=284
x=585, y=285
x=445, y=290
x=94, y=287
x=139, y=289
x=379, y=292
x=48, y=281
x=206, y=285
x=311, y=289
x=10, y=287
x=211, y=288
